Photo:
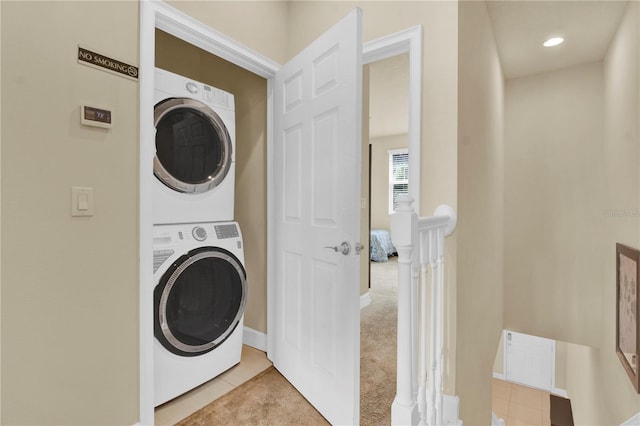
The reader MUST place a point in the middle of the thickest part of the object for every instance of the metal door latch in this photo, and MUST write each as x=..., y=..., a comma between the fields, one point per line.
x=358, y=248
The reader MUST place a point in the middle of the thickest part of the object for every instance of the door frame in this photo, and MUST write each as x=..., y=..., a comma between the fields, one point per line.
x=157, y=14
x=405, y=41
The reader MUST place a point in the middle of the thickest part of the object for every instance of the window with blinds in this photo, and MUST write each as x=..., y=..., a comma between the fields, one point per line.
x=398, y=176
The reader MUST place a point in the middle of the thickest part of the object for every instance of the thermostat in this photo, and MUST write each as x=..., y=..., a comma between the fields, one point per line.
x=96, y=117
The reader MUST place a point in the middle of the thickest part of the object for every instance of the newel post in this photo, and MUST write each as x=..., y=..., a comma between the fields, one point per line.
x=404, y=223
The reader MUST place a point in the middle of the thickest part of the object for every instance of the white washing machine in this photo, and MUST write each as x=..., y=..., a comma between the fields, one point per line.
x=195, y=151
x=199, y=299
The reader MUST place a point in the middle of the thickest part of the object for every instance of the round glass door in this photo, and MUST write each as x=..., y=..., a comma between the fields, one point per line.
x=199, y=301
x=193, y=147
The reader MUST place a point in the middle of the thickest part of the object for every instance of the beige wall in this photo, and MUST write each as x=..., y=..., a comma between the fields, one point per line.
x=498, y=363
x=75, y=357
x=69, y=285
x=250, y=92
x=480, y=212
x=584, y=387
x=622, y=178
x=561, y=365
x=0, y=216
x=614, y=398
x=259, y=25
x=555, y=198
x=380, y=218
x=573, y=172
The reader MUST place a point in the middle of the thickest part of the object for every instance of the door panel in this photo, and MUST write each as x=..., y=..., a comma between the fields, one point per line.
x=317, y=149
x=529, y=360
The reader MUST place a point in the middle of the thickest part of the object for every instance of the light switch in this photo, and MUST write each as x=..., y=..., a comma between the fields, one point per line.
x=81, y=201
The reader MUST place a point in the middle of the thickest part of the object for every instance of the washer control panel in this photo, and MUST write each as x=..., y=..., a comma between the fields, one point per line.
x=226, y=231
x=199, y=233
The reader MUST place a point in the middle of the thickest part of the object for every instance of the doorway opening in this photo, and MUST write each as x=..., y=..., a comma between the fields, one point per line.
x=534, y=372
x=386, y=123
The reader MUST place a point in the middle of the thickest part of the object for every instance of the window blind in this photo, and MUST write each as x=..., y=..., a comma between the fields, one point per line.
x=398, y=176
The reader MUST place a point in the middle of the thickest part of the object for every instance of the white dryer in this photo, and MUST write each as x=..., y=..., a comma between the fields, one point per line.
x=199, y=300
x=195, y=151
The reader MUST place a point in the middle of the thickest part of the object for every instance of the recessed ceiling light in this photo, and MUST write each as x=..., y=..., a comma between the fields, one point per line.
x=553, y=41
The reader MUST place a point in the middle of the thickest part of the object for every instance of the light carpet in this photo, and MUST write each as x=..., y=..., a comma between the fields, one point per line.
x=269, y=399
x=378, y=324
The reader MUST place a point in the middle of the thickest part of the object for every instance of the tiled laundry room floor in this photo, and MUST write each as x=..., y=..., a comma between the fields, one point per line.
x=252, y=363
x=519, y=405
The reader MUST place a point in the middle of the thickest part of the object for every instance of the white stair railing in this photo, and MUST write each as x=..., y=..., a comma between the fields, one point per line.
x=420, y=246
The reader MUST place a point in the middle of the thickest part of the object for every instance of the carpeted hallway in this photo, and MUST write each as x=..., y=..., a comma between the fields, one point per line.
x=268, y=399
x=378, y=323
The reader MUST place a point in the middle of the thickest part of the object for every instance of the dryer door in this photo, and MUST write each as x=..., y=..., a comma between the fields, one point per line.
x=193, y=147
x=199, y=301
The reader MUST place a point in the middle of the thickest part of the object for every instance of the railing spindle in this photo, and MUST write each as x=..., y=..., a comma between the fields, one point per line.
x=420, y=246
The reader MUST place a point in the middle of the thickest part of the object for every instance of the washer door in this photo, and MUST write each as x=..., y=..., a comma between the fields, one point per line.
x=193, y=147
x=199, y=301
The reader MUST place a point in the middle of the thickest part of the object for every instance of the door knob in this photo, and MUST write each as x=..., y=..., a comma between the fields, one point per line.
x=343, y=248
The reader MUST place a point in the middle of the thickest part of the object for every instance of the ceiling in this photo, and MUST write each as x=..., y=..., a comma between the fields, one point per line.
x=520, y=28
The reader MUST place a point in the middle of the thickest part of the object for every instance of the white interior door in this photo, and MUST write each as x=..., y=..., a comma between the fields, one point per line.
x=317, y=150
x=529, y=360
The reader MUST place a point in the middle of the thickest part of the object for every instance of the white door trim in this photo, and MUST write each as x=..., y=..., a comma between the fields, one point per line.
x=405, y=41
x=157, y=14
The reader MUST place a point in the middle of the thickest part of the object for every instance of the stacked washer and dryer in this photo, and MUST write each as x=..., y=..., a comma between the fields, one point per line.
x=198, y=260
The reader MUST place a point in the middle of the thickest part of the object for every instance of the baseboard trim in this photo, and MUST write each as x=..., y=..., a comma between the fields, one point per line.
x=633, y=421
x=254, y=338
x=365, y=300
x=560, y=392
x=499, y=376
x=495, y=420
x=451, y=410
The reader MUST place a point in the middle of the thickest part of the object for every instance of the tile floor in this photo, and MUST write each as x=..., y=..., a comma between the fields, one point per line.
x=252, y=363
x=519, y=405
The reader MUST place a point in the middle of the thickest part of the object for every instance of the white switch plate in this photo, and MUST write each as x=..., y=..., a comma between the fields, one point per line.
x=81, y=201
